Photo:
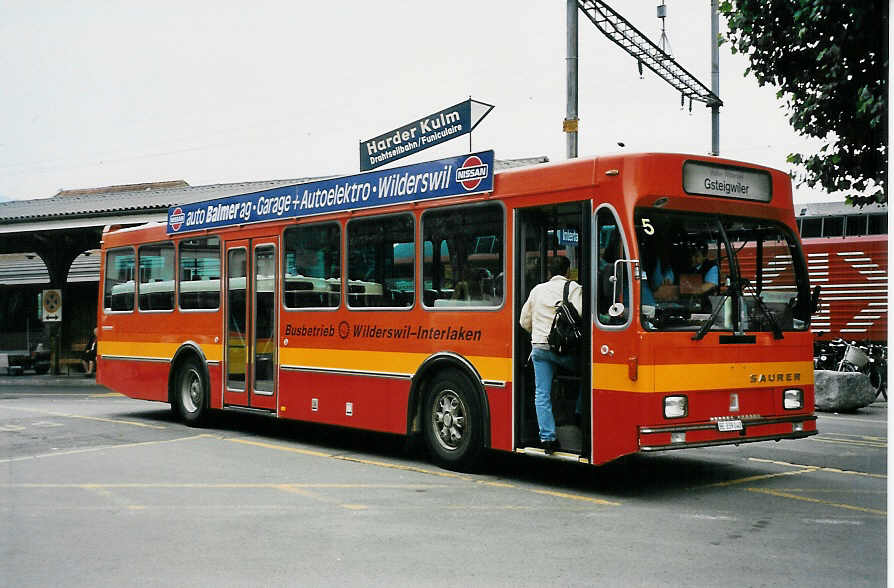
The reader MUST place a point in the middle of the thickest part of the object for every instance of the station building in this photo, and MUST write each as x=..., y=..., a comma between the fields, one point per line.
x=53, y=243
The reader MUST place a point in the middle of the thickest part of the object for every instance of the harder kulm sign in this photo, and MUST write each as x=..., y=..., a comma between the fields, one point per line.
x=426, y=132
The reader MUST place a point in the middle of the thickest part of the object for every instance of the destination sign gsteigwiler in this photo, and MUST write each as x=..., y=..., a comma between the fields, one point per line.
x=451, y=176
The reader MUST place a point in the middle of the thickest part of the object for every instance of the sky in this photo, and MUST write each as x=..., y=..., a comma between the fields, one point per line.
x=99, y=93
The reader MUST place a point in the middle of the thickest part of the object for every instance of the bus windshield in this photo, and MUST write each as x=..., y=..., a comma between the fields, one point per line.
x=717, y=273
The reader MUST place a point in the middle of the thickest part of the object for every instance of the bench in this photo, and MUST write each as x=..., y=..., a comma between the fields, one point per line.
x=72, y=358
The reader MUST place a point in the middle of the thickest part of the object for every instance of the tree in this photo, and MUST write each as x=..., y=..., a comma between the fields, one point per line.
x=829, y=60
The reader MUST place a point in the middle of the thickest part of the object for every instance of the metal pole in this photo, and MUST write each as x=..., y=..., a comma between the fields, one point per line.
x=570, y=126
x=715, y=79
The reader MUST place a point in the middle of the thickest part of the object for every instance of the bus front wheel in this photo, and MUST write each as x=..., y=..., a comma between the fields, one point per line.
x=189, y=393
x=453, y=424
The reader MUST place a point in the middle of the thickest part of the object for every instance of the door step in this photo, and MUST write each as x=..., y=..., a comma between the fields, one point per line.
x=249, y=410
x=563, y=455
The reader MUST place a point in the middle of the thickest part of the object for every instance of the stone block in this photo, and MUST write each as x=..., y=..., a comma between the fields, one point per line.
x=842, y=391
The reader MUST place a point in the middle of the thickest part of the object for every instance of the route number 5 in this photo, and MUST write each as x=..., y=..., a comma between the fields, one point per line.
x=647, y=227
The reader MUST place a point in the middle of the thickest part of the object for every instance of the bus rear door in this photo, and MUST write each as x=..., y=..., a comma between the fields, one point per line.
x=251, y=316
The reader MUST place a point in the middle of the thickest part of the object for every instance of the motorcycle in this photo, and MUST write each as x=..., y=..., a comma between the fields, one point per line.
x=870, y=359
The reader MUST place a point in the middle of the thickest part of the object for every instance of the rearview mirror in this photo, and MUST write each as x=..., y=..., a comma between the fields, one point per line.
x=620, y=296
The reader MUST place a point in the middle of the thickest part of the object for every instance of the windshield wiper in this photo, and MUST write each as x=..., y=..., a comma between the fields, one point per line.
x=734, y=289
x=771, y=318
x=710, y=322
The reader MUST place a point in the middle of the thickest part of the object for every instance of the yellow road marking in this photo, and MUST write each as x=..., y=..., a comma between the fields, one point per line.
x=419, y=470
x=100, y=448
x=279, y=447
x=217, y=486
x=81, y=416
x=382, y=464
x=576, y=497
x=876, y=445
x=759, y=477
x=302, y=491
x=880, y=423
x=816, y=500
x=863, y=437
x=106, y=493
x=819, y=468
x=832, y=491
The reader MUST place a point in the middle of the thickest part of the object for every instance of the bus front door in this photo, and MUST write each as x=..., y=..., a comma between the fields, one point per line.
x=250, y=331
x=541, y=233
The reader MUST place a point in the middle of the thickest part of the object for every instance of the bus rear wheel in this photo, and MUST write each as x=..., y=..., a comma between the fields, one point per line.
x=190, y=396
x=453, y=423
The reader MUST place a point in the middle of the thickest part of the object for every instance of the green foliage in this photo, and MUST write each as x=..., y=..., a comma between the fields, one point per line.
x=829, y=60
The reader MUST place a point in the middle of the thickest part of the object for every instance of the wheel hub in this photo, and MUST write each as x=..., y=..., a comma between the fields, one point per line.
x=192, y=391
x=448, y=419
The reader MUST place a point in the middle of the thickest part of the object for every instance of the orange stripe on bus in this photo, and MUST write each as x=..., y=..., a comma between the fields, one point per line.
x=669, y=378
x=149, y=350
x=490, y=368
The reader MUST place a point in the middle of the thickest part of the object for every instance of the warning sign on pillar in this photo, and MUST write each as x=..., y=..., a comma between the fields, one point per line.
x=51, y=305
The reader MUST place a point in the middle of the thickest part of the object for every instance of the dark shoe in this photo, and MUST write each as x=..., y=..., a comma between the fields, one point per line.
x=550, y=446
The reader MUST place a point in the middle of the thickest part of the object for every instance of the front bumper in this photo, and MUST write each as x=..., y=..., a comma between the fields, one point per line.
x=706, y=434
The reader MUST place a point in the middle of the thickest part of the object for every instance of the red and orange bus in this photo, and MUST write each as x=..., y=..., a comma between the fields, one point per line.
x=403, y=317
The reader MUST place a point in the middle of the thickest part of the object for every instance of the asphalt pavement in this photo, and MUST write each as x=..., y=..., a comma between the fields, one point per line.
x=74, y=380
x=96, y=489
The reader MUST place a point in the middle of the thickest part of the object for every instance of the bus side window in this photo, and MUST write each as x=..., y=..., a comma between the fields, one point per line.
x=312, y=266
x=199, y=284
x=118, y=294
x=833, y=226
x=878, y=224
x=156, y=286
x=381, y=262
x=611, y=247
x=468, y=272
x=811, y=227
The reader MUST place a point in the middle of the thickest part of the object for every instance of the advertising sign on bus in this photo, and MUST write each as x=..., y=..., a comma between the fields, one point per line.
x=453, y=176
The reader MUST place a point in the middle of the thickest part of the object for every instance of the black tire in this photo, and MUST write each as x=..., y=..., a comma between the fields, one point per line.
x=453, y=421
x=876, y=380
x=41, y=370
x=190, y=395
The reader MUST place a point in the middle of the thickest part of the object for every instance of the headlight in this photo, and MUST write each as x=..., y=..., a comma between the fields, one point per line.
x=793, y=399
x=675, y=407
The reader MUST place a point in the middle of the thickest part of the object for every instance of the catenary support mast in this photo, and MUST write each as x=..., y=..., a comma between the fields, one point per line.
x=630, y=39
x=570, y=126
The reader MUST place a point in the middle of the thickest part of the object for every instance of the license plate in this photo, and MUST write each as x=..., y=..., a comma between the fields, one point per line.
x=726, y=426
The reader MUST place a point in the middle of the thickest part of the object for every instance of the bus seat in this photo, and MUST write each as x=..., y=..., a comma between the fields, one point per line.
x=429, y=297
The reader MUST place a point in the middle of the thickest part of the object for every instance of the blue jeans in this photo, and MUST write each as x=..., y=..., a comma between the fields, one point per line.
x=545, y=362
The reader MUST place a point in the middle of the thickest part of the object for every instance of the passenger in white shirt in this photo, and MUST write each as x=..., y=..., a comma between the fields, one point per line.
x=537, y=317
